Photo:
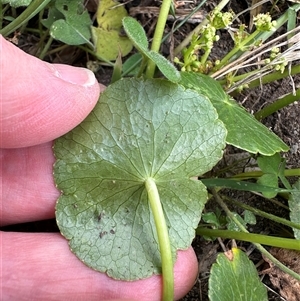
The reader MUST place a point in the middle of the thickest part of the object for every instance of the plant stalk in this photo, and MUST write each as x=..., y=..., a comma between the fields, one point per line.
x=293, y=172
x=277, y=105
x=271, y=77
x=33, y=8
x=170, y=33
x=274, y=76
x=158, y=34
x=163, y=240
x=196, y=31
x=278, y=242
x=246, y=42
x=264, y=214
x=46, y=48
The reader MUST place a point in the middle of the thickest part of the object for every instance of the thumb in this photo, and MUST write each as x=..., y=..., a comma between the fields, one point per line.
x=40, y=101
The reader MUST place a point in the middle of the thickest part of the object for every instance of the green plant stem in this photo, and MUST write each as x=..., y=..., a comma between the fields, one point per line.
x=271, y=77
x=170, y=33
x=40, y=25
x=46, y=48
x=293, y=172
x=278, y=242
x=239, y=77
x=237, y=48
x=205, y=57
x=196, y=31
x=264, y=214
x=158, y=34
x=184, y=20
x=33, y=8
x=277, y=262
x=277, y=105
x=292, y=21
x=142, y=66
x=275, y=76
x=257, y=245
x=163, y=240
x=83, y=47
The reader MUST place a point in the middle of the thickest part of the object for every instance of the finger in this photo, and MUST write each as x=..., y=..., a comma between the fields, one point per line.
x=28, y=189
x=40, y=266
x=40, y=101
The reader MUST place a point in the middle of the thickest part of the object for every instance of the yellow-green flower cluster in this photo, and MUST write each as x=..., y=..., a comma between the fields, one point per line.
x=263, y=22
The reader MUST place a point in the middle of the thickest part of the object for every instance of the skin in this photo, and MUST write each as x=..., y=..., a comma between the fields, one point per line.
x=40, y=102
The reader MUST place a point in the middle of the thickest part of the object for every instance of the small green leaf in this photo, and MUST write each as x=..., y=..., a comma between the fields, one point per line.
x=16, y=3
x=249, y=217
x=270, y=166
x=165, y=66
x=211, y=218
x=131, y=66
x=244, y=131
x=234, y=277
x=136, y=33
x=53, y=15
x=117, y=71
x=138, y=36
x=270, y=180
x=74, y=29
x=139, y=129
x=294, y=205
x=232, y=226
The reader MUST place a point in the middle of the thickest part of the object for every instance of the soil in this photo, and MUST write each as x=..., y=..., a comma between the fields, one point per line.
x=285, y=123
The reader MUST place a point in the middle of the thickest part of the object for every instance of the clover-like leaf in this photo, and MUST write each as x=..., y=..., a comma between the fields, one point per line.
x=53, y=15
x=139, y=129
x=74, y=29
x=244, y=131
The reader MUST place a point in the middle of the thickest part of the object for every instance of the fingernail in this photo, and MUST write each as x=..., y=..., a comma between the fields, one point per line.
x=75, y=75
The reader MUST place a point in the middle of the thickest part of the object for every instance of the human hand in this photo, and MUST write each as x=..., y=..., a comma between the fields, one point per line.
x=40, y=102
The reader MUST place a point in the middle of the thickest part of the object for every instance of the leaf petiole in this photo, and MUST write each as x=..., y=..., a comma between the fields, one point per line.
x=158, y=34
x=34, y=8
x=163, y=240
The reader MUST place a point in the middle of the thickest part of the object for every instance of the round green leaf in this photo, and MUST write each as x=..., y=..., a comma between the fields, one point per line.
x=234, y=277
x=139, y=129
